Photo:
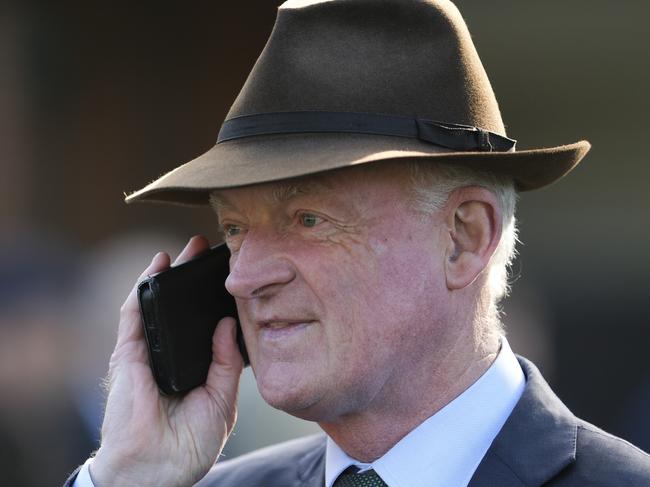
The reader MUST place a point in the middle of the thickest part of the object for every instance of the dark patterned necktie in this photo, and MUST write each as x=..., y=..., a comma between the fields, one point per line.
x=350, y=478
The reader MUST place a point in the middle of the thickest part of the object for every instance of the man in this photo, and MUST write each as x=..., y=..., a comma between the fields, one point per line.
x=366, y=190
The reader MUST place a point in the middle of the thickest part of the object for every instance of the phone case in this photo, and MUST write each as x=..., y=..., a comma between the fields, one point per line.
x=180, y=309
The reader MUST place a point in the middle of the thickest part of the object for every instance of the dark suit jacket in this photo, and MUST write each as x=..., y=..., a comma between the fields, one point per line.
x=541, y=443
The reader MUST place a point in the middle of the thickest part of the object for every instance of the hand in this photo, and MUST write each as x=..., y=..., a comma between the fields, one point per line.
x=150, y=439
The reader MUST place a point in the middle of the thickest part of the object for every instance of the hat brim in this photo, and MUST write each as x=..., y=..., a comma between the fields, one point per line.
x=268, y=158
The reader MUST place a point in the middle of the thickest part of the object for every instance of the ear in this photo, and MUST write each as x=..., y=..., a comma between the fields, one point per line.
x=474, y=222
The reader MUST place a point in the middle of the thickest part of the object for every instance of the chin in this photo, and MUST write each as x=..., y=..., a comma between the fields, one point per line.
x=301, y=402
x=308, y=404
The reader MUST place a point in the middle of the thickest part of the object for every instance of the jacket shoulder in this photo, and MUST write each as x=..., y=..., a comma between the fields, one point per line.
x=544, y=443
x=281, y=464
x=603, y=460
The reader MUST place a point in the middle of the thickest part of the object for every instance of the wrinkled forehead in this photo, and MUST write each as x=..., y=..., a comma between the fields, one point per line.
x=271, y=193
x=345, y=183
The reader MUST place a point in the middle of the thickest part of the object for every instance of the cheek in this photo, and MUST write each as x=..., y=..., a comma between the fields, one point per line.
x=407, y=285
x=381, y=276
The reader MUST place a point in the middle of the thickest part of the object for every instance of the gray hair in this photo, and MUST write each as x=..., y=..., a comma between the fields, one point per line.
x=432, y=186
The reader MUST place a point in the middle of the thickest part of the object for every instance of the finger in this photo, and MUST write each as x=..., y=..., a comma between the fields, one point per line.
x=227, y=365
x=159, y=263
x=130, y=326
x=196, y=246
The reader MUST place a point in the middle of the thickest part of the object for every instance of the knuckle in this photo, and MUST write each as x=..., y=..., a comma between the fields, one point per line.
x=125, y=308
x=113, y=364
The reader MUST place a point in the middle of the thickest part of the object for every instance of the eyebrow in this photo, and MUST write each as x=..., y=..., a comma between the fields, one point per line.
x=282, y=193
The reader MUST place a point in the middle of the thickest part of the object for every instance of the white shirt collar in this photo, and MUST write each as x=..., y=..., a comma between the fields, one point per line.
x=446, y=449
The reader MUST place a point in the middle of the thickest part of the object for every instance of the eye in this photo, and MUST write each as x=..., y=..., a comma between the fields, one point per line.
x=309, y=219
x=231, y=230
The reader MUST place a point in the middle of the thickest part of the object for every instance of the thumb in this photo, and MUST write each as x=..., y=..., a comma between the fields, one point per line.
x=227, y=364
x=225, y=350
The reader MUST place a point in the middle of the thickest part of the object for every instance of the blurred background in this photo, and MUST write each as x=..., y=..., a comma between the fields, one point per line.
x=97, y=99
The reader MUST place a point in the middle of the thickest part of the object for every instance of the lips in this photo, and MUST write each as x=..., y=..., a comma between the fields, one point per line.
x=278, y=325
x=282, y=330
x=282, y=324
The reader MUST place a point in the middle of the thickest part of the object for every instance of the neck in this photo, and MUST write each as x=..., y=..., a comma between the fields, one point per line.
x=412, y=397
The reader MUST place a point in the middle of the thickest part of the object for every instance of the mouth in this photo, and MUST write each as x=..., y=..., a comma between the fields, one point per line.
x=281, y=328
x=282, y=324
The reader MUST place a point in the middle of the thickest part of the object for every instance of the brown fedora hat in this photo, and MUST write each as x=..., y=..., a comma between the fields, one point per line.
x=346, y=82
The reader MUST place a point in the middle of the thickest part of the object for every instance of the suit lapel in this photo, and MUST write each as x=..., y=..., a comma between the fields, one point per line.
x=311, y=467
x=537, y=441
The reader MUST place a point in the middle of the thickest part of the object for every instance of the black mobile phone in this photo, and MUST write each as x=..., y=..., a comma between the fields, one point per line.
x=180, y=309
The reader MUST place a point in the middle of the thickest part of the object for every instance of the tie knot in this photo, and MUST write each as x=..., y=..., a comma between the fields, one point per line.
x=352, y=478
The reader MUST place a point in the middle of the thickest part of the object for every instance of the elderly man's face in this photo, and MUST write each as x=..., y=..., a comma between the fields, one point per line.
x=339, y=285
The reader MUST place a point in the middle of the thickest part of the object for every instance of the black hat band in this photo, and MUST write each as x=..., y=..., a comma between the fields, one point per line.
x=450, y=135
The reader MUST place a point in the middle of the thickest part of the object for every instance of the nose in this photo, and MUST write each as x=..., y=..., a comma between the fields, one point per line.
x=258, y=268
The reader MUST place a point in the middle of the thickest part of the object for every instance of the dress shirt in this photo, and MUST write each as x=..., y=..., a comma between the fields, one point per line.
x=83, y=477
x=446, y=449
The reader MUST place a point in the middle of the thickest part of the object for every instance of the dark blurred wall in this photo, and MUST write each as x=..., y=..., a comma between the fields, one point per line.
x=125, y=91
x=97, y=99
